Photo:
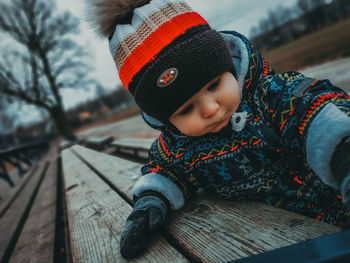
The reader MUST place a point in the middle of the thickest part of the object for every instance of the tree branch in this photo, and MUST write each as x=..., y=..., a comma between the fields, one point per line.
x=5, y=88
x=9, y=24
x=35, y=77
x=51, y=54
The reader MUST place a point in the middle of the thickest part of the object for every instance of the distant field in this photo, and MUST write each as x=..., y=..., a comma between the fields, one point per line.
x=127, y=113
x=327, y=44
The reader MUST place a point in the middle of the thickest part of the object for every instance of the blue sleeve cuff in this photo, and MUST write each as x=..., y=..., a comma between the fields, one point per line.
x=163, y=185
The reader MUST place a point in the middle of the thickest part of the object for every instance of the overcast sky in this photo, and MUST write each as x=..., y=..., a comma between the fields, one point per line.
x=238, y=15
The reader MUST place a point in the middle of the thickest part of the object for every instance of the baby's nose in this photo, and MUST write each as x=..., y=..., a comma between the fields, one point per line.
x=210, y=108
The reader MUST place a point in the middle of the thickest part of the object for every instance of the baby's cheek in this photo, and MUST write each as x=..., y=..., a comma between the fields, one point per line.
x=183, y=126
x=195, y=129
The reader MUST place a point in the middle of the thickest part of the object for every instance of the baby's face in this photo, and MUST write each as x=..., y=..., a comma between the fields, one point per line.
x=210, y=109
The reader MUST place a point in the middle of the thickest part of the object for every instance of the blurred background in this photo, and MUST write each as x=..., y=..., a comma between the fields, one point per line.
x=57, y=77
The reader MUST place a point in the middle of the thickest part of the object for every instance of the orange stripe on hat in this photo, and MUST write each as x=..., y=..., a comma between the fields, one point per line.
x=159, y=39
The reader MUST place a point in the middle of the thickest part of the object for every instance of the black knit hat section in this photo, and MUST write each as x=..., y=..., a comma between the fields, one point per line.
x=199, y=55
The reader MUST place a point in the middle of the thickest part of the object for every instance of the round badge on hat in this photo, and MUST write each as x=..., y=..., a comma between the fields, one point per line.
x=167, y=77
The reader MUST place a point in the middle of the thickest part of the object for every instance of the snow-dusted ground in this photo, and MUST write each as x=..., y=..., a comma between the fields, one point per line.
x=337, y=71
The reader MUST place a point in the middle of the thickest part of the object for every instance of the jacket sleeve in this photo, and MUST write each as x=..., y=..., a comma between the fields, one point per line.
x=161, y=175
x=308, y=114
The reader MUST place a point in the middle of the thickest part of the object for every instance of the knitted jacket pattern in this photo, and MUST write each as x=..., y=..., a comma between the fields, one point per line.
x=266, y=158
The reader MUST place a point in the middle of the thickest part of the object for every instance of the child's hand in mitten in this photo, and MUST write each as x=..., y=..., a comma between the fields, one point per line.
x=340, y=165
x=148, y=215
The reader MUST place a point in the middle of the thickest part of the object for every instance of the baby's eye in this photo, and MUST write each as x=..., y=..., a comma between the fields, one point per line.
x=187, y=110
x=213, y=85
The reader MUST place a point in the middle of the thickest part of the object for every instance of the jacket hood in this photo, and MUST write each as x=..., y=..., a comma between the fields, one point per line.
x=250, y=67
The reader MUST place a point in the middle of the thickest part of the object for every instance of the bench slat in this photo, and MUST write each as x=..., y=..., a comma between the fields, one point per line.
x=133, y=146
x=135, y=143
x=226, y=230
x=9, y=222
x=98, y=142
x=8, y=193
x=37, y=238
x=5, y=189
x=97, y=217
x=212, y=230
x=122, y=173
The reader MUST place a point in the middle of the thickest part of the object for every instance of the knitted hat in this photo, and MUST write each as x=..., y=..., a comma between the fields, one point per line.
x=166, y=54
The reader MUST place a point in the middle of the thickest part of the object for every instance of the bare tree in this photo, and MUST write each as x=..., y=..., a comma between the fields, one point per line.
x=304, y=5
x=284, y=14
x=313, y=13
x=264, y=25
x=254, y=31
x=6, y=118
x=46, y=60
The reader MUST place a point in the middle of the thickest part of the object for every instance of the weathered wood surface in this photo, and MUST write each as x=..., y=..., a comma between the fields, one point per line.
x=97, y=216
x=36, y=242
x=217, y=231
x=211, y=230
x=5, y=189
x=15, y=214
x=135, y=146
x=134, y=143
x=121, y=173
x=8, y=194
x=64, y=144
x=98, y=142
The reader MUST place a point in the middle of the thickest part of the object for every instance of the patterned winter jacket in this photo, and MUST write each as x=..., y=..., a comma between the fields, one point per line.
x=275, y=150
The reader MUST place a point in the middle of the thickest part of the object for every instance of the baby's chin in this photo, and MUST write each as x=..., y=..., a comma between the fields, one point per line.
x=224, y=127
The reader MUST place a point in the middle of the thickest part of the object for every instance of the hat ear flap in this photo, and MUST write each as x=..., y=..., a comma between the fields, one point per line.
x=153, y=122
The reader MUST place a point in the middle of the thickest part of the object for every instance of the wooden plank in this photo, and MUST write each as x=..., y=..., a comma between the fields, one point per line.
x=212, y=230
x=67, y=252
x=133, y=146
x=13, y=218
x=98, y=140
x=217, y=231
x=98, y=143
x=64, y=144
x=8, y=193
x=97, y=216
x=126, y=173
x=331, y=248
x=135, y=143
x=37, y=239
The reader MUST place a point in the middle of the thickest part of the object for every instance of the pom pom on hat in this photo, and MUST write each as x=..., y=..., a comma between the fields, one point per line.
x=108, y=14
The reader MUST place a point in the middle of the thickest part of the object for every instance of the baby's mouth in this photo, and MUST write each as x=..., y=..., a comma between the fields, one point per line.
x=215, y=124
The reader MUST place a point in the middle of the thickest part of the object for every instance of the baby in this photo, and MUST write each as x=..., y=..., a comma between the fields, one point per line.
x=229, y=124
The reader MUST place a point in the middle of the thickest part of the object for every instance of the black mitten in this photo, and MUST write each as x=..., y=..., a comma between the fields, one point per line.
x=346, y=225
x=148, y=215
x=340, y=165
x=340, y=162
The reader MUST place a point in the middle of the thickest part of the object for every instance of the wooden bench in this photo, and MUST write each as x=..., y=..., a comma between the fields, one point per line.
x=28, y=214
x=98, y=143
x=132, y=146
x=99, y=198
x=129, y=146
x=21, y=157
x=73, y=208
